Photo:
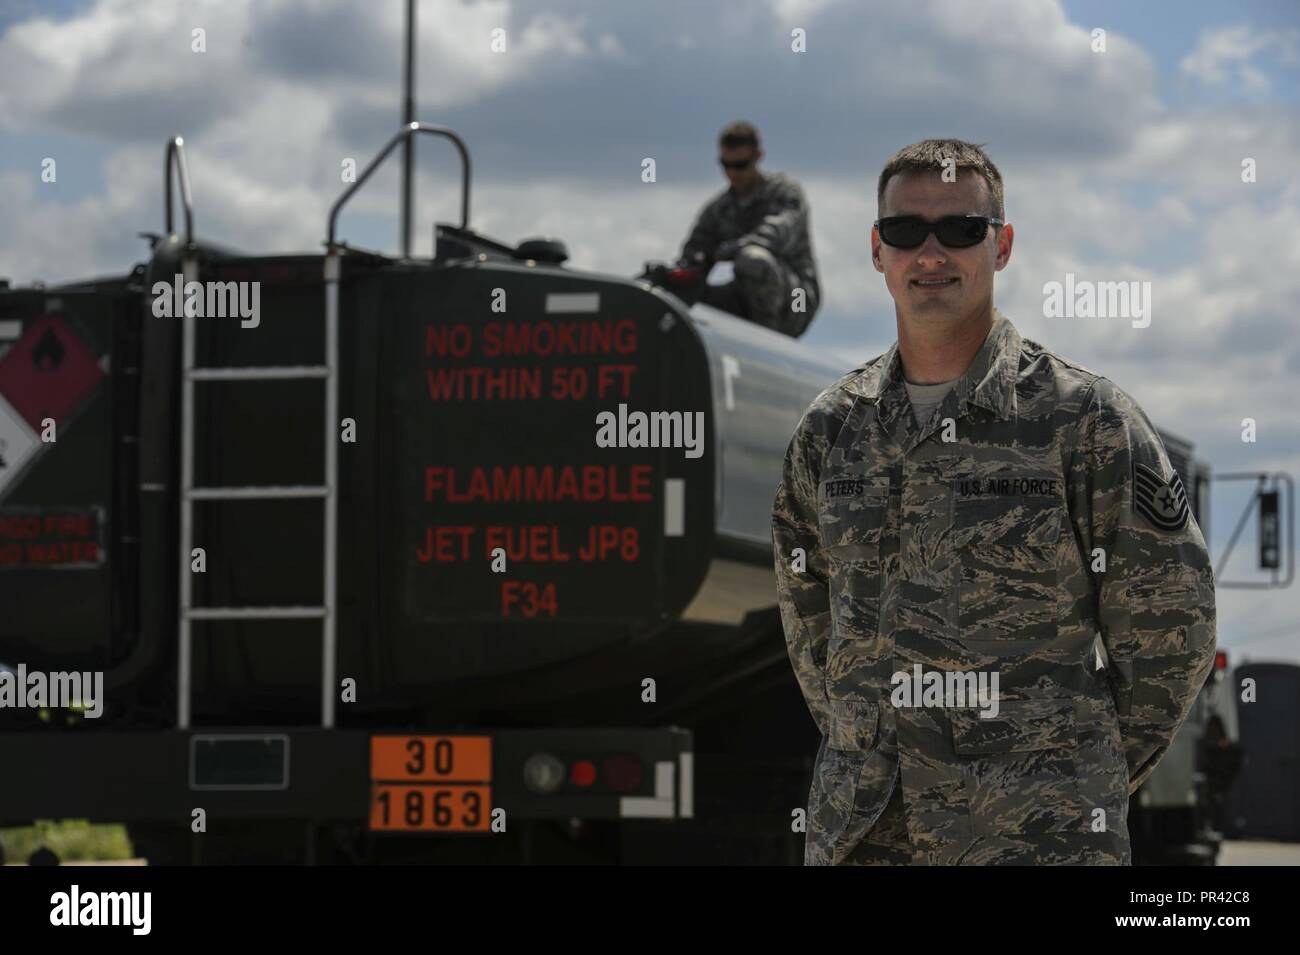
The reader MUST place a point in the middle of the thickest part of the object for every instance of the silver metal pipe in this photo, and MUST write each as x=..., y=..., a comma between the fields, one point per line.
x=257, y=613
x=260, y=373
x=333, y=267
x=404, y=133
x=175, y=157
x=254, y=492
x=408, y=117
x=189, y=269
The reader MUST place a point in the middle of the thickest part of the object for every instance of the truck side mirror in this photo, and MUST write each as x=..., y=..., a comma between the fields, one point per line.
x=1270, y=531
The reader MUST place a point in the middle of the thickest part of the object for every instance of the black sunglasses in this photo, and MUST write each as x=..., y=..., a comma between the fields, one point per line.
x=736, y=163
x=956, y=232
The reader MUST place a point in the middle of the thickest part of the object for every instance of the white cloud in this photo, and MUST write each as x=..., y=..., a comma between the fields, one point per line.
x=121, y=55
x=798, y=12
x=1225, y=53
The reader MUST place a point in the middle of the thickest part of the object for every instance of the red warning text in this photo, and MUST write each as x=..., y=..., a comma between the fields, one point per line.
x=533, y=543
x=541, y=338
x=63, y=538
x=483, y=383
x=539, y=484
x=481, y=363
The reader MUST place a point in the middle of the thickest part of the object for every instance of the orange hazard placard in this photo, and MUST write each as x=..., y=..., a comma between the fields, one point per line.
x=426, y=808
x=435, y=759
x=430, y=783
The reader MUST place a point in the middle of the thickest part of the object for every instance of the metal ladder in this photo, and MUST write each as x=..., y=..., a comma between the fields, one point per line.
x=329, y=372
x=327, y=491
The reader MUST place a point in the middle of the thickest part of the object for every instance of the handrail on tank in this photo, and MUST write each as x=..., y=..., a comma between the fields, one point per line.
x=404, y=135
x=175, y=158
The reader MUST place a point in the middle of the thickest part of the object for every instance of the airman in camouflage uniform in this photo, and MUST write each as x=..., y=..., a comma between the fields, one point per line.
x=760, y=222
x=1049, y=542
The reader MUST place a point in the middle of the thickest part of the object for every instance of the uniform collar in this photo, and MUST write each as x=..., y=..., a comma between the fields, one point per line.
x=753, y=193
x=989, y=382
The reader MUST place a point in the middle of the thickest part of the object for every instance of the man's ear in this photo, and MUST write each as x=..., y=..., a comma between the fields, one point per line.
x=875, y=250
x=1006, y=238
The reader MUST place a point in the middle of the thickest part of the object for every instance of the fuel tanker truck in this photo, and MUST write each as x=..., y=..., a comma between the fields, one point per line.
x=388, y=558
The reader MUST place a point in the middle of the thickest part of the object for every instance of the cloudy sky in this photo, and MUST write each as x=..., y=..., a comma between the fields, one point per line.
x=1122, y=164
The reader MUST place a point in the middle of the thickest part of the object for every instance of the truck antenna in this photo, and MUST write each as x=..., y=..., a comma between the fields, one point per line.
x=408, y=117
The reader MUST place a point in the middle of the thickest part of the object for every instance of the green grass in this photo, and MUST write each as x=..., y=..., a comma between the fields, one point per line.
x=73, y=840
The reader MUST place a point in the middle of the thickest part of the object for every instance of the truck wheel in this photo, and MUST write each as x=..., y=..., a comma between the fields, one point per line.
x=161, y=844
x=43, y=856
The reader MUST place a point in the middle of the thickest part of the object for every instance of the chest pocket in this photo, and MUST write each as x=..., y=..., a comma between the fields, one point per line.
x=1006, y=534
x=852, y=513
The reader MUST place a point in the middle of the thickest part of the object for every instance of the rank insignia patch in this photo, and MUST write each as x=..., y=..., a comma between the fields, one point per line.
x=1163, y=503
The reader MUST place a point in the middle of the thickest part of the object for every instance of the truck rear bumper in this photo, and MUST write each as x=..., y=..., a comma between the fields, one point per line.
x=319, y=774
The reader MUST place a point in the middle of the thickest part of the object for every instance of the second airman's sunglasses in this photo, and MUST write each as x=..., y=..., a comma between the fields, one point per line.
x=736, y=164
x=956, y=232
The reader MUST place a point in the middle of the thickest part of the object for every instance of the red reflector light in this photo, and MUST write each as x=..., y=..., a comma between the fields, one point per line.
x=582, y=773
x=683, y=276
x=623, y=774
x=1221, y=660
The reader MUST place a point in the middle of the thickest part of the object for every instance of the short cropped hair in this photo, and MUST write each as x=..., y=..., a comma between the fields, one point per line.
x=738, y=134
x=930, y=154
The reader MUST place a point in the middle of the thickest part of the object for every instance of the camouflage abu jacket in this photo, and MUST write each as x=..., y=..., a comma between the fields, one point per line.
x=1051, y=523
x=774, y=215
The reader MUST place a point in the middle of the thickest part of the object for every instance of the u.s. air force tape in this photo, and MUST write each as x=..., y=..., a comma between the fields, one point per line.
x=1163, y=503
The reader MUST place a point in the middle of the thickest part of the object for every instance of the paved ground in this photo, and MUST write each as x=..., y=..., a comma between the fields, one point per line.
x=102, y=862
x=1259, y=853
x=1231, y=853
